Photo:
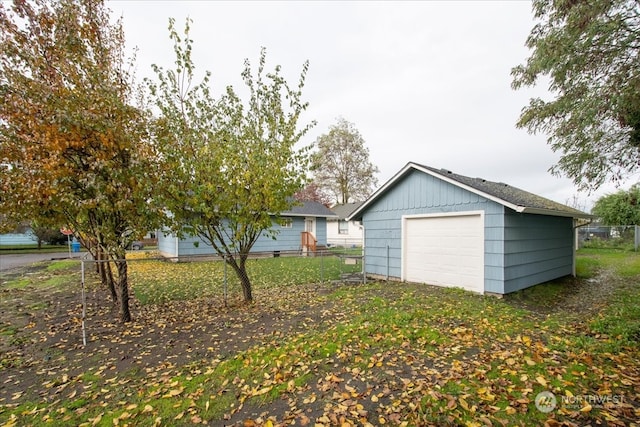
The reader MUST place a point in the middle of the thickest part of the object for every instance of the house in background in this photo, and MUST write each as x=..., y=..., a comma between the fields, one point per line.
x=433, y=226
x=18, y=239
x=303, y=229
x=341, y=232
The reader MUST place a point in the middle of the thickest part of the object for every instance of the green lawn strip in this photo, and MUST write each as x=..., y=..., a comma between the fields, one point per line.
x=31, y=249
x=624, y=262
x=619, y=323
x=156, y=281
x=56, y=274
x=70, y=265
x=18, y=283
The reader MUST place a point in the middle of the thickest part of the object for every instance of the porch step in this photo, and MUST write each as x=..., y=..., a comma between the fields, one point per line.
x=350, y=278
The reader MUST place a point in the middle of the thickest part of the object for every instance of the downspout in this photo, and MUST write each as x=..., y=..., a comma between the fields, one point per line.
x=177, y=248
x=364, y=257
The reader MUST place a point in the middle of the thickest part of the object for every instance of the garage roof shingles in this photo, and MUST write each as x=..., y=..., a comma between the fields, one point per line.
x=506, y=194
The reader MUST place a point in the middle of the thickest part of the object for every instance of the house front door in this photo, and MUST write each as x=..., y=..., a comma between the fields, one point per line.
x=310, y=225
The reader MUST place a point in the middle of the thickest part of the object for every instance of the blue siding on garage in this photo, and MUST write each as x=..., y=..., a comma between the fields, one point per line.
x=527, y=239
x=419, y=193
x=538, y=248
x=287, y=239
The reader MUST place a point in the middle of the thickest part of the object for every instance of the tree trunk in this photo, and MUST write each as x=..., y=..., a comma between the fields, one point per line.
x=246, y=286
x=123, y=290
x=106, y=275
x=240, y=267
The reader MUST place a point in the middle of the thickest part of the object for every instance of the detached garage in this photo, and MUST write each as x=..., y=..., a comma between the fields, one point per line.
x=433, y=226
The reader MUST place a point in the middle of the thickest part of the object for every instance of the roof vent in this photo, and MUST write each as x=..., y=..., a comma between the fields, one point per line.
x=446, y=171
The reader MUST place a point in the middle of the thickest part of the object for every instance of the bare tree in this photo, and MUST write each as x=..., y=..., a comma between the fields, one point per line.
x=341, y=164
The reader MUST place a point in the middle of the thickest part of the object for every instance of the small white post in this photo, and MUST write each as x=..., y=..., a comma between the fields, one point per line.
x=84, y=306
x=224, y=259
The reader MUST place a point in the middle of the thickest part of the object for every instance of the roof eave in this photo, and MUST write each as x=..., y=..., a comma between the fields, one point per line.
x=411, y=165
x=308, y=215
x=551, y=212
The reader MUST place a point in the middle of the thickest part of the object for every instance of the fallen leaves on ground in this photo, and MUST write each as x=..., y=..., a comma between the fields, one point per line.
x=319, y=355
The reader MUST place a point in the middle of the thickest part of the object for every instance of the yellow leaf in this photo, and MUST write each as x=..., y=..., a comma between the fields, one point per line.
x=568, y=393
x=263, y=391
x=174, y=392
x=586, y=408
x=463, y=403
x=97, y=420
x=147, y=408
x=510, y=410
x=541, y=381
x=529, y=361
x=269, y=423
x=374, y=398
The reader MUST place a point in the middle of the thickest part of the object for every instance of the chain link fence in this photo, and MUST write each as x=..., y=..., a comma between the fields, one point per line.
x=154, y=279
x=625, y=237
x=157, y=279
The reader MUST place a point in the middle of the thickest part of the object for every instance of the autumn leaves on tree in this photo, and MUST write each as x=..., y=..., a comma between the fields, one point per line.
x=341, y=164
x=73, y=145
x=77, y=151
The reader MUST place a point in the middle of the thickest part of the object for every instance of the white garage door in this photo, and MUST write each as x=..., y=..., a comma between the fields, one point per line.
x=445, y=250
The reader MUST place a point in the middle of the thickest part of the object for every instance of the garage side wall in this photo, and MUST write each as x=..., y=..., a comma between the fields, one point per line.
x=420, y=193
x=538, y=248
x=167, y=243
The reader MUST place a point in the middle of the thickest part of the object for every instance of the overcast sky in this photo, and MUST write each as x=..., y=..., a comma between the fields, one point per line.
x=423, y=81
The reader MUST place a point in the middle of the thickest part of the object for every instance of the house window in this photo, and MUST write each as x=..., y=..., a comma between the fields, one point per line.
x=343, y=227
x=286, y=222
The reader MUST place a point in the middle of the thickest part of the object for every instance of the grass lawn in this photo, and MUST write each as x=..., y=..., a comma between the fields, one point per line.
x=562, y=353
x=31, y=249
x=156, y=281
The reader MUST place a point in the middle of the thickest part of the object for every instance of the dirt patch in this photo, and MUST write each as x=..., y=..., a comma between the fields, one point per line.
x=577, y=298
x=41, y=342
x=41, y=338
